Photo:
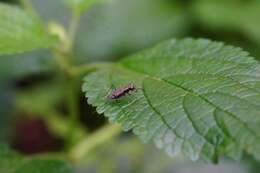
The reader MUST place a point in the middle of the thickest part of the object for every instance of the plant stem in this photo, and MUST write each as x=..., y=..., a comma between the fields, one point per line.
x=106, y=133
x=73, y=26
x=71, y=73
x=78, y=151
x=72, y=99
x=62, y=62
x=72, y=96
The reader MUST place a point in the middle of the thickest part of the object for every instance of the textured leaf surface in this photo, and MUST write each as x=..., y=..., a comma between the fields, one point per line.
x=21, y=32
x=11, y=162
x=195, y=96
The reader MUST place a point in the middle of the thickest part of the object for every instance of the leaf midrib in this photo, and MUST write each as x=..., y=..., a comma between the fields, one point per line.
x=229, y=77
x=224, y=77
x=198, y=95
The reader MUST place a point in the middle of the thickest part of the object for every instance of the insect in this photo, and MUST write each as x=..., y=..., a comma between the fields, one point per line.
x=118, y=93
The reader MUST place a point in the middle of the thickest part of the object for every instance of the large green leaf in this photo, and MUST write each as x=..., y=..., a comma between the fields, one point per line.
x=195, y=96
x=20, y=32
x=12, y=162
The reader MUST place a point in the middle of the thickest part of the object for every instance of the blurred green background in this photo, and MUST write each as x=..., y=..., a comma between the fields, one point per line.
x=32, y=90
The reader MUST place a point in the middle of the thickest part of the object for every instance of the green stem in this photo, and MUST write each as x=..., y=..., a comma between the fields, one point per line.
x=106, y=133
x=73, y=26
x=62, y=62
x=71, y=73
x=72, y=98
x=62, y=58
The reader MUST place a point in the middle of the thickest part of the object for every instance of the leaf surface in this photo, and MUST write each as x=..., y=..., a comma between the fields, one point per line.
x=20, y=32
x=197, y=97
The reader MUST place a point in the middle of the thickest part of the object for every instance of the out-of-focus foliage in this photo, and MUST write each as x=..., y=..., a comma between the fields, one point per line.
x=21, y=65
x=47, y=98
x=232, y=21
x=12, y=162
x=6, y=106
x=20, y=31
x=129, y=155
x=230, y=15
x=79, y=6
x=116, y=28
x=47, y=10
x=125, y=26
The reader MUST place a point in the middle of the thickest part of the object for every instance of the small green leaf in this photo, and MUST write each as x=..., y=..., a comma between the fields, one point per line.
x=20, y=32
x=12, y=162
x=195, y=96
x=80, y=6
